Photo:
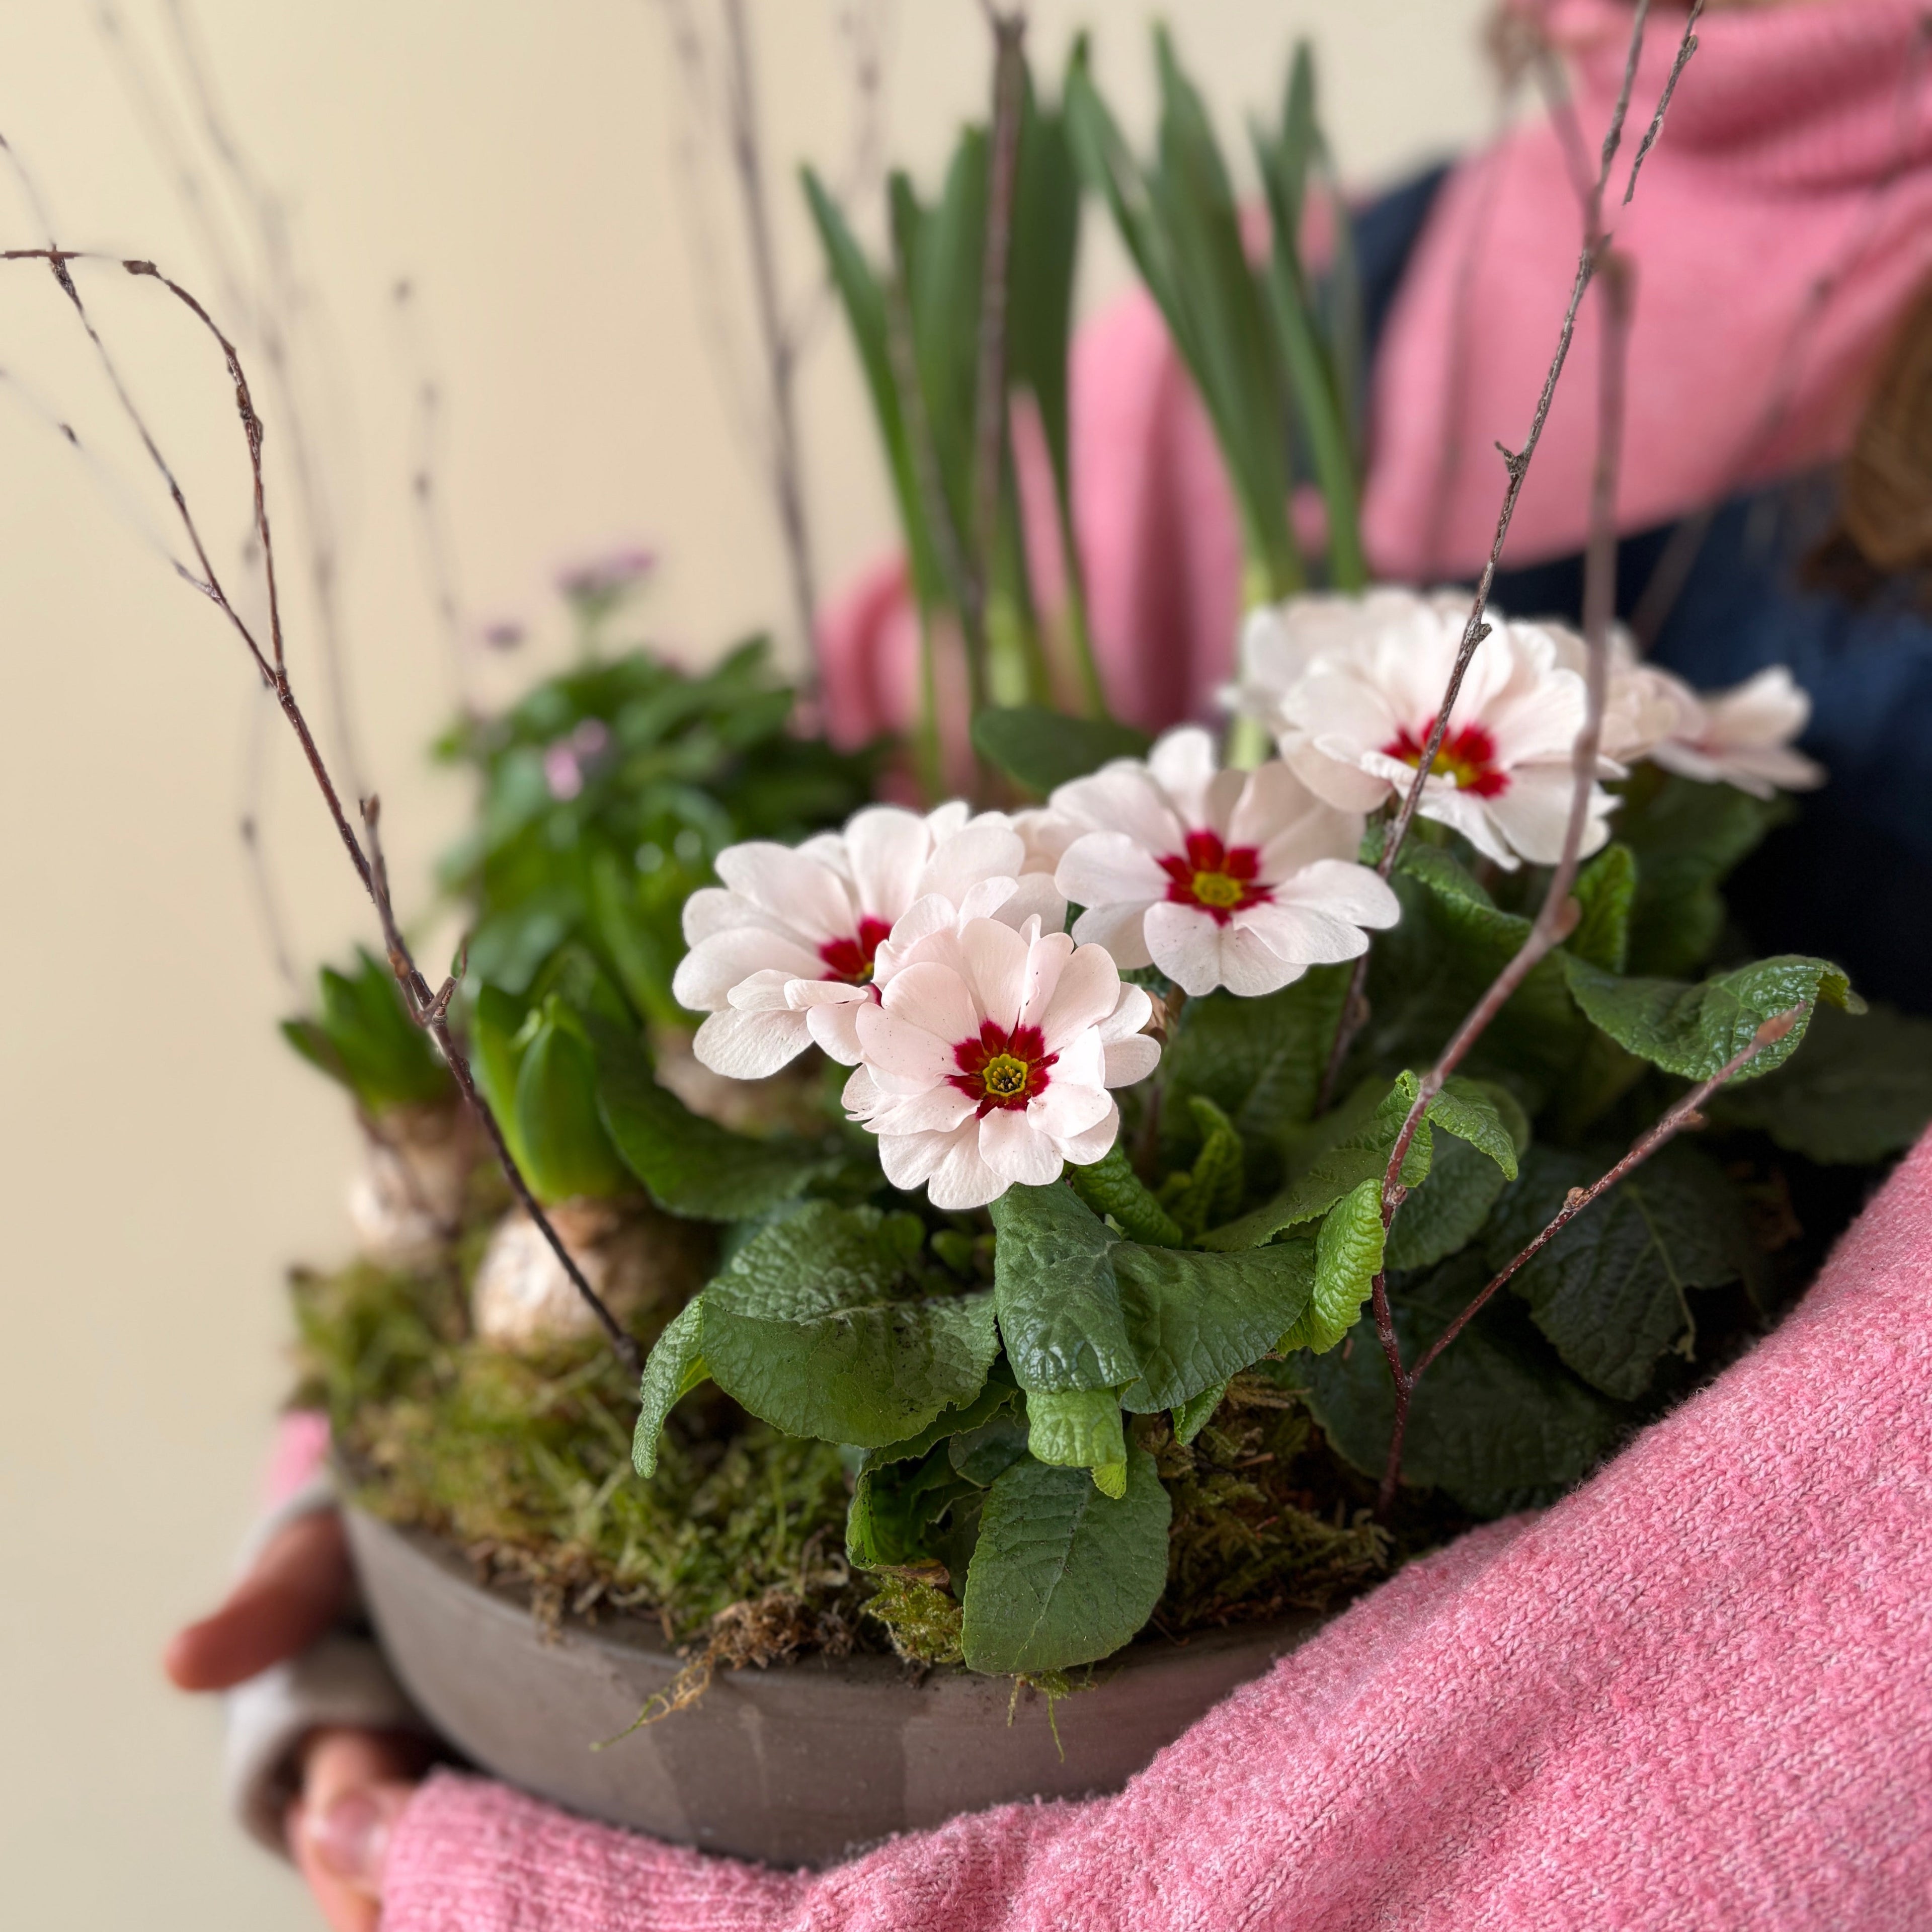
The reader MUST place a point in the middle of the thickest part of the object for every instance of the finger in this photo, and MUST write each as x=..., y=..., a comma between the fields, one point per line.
x=355, y=1787
x=298, y=1588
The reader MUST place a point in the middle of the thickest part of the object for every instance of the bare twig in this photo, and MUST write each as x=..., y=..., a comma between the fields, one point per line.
x=1686, y=47
x=428, y=1009
x=1683, y=1114
x=989, y=388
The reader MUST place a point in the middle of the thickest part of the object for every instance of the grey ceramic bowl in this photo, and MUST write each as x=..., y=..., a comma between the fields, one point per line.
x=800, y=1764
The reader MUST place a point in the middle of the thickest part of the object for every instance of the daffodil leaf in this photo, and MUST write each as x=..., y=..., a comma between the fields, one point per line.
x=1043, y=748
x=1692, y=1031
x=675, y=1367
x=1860, y=1091
x=816, y=1326
x=1062, y=1574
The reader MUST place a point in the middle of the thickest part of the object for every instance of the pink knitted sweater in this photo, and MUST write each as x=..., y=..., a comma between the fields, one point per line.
x=1696, y=1693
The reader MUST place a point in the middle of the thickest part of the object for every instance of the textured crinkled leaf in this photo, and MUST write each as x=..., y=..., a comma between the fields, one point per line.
x=1259, y=1060
x=1000, y=1394
x=1612, y=1290
x=892, y=1522
x=1497, y=1422
x=1111, y=1186
x=812, y=1329
x=1488, y=1118
x=1079, y=1428
x=693, y=1166
x=1447, y=1211
x=1210, y=1190
x=675, y=1367
x=1860, y=1091
x=1061, y=1574
x=1348, y=1257
x=1605, y=891
x=1059, y=1303
x=984, y=1454
x=1693, y=1030
x=1191, y=1417
x=1043, y=748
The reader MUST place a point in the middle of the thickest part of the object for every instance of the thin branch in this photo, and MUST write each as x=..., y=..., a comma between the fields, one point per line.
x=1686, y=48
x=1685, y=1113
x=428, y=1009
x=989, y=387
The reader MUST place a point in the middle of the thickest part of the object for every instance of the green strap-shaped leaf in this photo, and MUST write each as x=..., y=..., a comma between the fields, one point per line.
x=1347, y=1258
x=675, y=1367
x=1692, y=1031
x=1080, y=1428
x=1061, y=1574
x=817, y=1327
x=566, y=1153
x=1043, y=748
x=1111, y=1186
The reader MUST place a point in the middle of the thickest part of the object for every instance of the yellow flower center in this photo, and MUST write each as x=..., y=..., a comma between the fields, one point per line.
x=1217, y=889
x=1004, y=1075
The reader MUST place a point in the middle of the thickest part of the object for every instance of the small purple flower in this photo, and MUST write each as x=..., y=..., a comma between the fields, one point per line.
x=566, y=761
x=598, y=583
x=504, y=634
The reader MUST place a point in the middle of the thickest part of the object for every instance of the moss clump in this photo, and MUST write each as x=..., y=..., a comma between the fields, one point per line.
x=527, y=1465
x=922, y=1620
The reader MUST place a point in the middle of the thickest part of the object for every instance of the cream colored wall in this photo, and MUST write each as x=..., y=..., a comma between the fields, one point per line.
x=162, y=1158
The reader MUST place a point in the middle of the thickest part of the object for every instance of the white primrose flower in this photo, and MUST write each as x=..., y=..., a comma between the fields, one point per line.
x=1353, y=722
x=1220, y=878
x=1742, y=737
x=786, y=950
x=985, y=1063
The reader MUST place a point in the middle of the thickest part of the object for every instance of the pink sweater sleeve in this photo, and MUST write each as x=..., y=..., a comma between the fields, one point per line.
x=1697, y=1694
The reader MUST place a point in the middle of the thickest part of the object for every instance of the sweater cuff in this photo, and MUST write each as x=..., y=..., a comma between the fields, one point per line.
x=468, y=1855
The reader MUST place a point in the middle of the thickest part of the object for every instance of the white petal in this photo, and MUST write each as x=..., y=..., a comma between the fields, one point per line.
x=943, y=820
x=1081, y=1061
x=1251, y=967
x=860, y=1096
x=1131, y=1013
x=705, y=974
x=904, y=1059
x=799, y=890
x=747, y=1046
x=1344, y=785
x=1065, y=1111
x=767, y=992
x=962, y=1179
x=1088, y=990
x=886, y=846
x=1131, y=1060
x=711, y=909
x=1015, y=1150
x=1123, y=798
x=938, y=1110
x=1533, y=814
x=935, y=1000
x=834, y=1029
x=1105, y=869
x=909, y=1160
x=996, y=970
x=1084, y=1149
x=1035, y=896
x=1348, y=891
x=1119, y=929
x=1183, y=765
x=988, y=848
x=1186, y=944
x=1303, y=935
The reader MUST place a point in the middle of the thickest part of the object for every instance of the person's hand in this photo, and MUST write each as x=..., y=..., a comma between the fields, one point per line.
x=354, y=1783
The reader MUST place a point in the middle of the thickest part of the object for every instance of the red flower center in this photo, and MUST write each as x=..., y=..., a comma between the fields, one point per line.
x=1218, y=880
x=850, y=960
x=1466, y=757
x=998, y=1068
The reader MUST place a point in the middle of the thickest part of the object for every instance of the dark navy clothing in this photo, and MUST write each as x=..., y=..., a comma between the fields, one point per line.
x=1851, y=877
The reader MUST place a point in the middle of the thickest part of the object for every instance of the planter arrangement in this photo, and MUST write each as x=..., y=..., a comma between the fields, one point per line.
x=897, y=1278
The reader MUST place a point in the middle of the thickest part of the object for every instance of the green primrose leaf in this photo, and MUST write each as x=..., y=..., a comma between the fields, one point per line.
x=1043, y=748
x=692, y=1166
x=1061, y=1574
x=892, y=1522
x=566, y=1153
x=817, y=1327
x=1078, y=1429
x=1347, y=1258
x=1447, y=1211
x=1211, y=1190
x=984, y=1454
x=675, y=1367
x=1488, y=1117
x=1110, y=1187
x=999, y=1395
x=1860, y=1092
x=1192, y=1416
x=1612, y=1291
x=1692, y=1031
x=1605, y=891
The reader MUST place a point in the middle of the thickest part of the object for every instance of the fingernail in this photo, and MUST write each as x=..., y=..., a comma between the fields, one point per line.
x=351, y=1839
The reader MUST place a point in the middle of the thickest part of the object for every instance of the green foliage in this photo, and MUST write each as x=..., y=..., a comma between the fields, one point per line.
x=818, y=1326
x=364, y=1039
x=1692, y=1031
x=675, y=1367
x=669, y=768
x=1347, y=1258
x=1041, y=747
x=1208, y=1193
x=691, y=1165
x=1606, y=894
x=1080, y=1309
x=1612, y=1291
x=1447, y=1211
x=1860, y=1092
x=1110, y=1187
x=1080, y=1428
x=1062, y=1574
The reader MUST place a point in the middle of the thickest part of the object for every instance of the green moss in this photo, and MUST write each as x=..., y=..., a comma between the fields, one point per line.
x=922, y=1621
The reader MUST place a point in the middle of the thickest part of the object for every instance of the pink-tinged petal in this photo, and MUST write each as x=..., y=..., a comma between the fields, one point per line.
x=1183, y=765
x=988, y=848
x=886, y=846
x=747, y=1046
x=918, y=923
x=1186, y=944
x=1462, y=811
x=1132, y=1059
x=996, y=970
x=1082, y=1061
x=1131, y=1013
x=936, y=999
x=861, y=1097
x=962, y=1179
x=1334, y=702
x=1047, y=956
x=1342, y=783
x=705, y=974
x=1104, y=868
x=1533, y=814
x=910, y=1160
x=1063, y=1113
x=938, y=1110
x=984, y=900
x=1303, y=935
x=904, y=1059
x=808, y=993
x=827, y=849
x=1250, y=967
x=1088, y=991
x=1344, y=889
x=797, y=890
x=711, y=909
x=1035, y=896
x=835, y=1030
x=1020, y=1155
x=1271, y=799
x=1123, y=798
x=1083, y=1149
x=1046, y=834
x=1119, y=929
x=943, y=820
x=1218, y=802
x=765, y=992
